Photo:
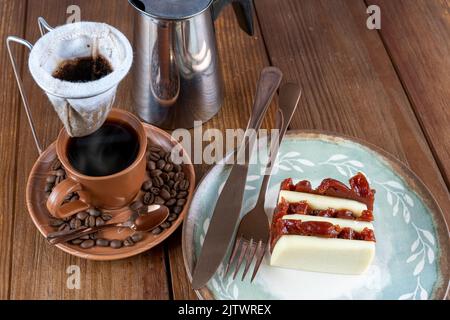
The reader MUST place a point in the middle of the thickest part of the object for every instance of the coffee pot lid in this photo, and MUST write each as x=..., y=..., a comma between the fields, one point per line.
x=171, y=9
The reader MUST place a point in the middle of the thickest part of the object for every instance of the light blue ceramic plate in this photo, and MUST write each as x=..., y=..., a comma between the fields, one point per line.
x=412, y=238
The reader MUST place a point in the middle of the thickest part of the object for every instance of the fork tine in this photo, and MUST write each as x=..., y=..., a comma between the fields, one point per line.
x=236, y=246
x=251, y=253
x=241, y=257
x=261, y=250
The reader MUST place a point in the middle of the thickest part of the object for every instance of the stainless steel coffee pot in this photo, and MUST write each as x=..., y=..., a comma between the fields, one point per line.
x=176, y=72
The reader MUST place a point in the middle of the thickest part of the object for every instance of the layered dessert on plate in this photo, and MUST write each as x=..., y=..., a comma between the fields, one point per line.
x=326, y=229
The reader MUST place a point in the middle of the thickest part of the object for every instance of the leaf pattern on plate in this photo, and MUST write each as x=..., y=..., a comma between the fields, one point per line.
x=398, y=198
x=344, y=165
x=419, y=293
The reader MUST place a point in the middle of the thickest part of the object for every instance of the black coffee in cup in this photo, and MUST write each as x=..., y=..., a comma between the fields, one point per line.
x=110, y=149
x=83, y=69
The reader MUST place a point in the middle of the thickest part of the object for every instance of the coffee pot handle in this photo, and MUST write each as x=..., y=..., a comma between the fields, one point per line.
x=243, y=9
x=23, y=95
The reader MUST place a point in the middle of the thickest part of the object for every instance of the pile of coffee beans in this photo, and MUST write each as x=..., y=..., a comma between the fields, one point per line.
x=167, y=185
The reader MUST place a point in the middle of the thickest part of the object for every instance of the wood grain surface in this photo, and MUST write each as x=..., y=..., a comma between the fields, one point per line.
x=11, y=23
x=419, y=45
x=355, y=81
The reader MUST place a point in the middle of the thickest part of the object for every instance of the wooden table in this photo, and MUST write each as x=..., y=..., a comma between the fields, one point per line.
x=390, y=87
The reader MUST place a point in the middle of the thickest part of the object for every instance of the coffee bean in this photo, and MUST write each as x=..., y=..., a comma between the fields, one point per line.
x=86, y=244
x=67, y=219
x=181, y=202
x=116, y=244
x=76, y=241
x=168, y=167
x=64, y=227
x=147, y=185
x=177, y=209
x=102, y=242
x=85, y=237
x=106, y=217
x=173, y=193
x=154, y=148
x=166, y=225
x=165, y=187
x=162, y=153
x=184, y=185
x=155, y=190
x=158, y=200
x=56, y=165
x=170, y=183
x=128, y=242
x=138, y=236
x=75, y=223
x=48, y=187
x=60, y=173
x=179, y=176
x=94, y=212
x=56, y=222
x=158, y=182
x=135, y=205
x=156, y=231
x=148, y=198
x=160, y=164
x=91, y=221
x=172, y=217
x=155, y=173
x=154, y=156
x=170, y=202
x=93, y=236
x=171, y=174
x=164, y=194
x=177, y=167
x=99, y=222
x=50, y=179
x=164, y=176
x=182, y=194
x=168, y=157
x=58, y=180
x=151, y=165
x=176, y=185
x=75, y=197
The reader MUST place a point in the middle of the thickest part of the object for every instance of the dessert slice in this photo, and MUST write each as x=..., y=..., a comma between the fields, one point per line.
x=327, y=229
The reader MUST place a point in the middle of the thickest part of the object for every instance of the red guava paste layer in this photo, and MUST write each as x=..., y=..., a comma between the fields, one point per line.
x=303, y=207
x=318, y=229
x=359, y=189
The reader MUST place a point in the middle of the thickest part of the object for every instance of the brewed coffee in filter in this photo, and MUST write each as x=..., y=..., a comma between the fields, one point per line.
x=81, y=105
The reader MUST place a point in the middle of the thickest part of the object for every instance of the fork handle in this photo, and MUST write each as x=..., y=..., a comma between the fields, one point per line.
x=290, y=94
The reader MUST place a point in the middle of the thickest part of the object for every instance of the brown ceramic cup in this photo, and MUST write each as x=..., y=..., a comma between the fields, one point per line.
x=106, y=192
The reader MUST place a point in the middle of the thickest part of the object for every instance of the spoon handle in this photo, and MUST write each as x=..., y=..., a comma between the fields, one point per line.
x=57, y=237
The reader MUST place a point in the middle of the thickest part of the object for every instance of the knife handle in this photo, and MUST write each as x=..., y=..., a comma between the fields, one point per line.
x=268, y=83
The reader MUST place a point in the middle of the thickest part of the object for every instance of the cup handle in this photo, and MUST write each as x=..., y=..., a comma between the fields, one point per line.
x=27, y=44
x=55, y=204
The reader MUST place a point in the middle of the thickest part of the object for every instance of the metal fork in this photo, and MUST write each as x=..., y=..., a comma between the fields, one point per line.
x=253, y=232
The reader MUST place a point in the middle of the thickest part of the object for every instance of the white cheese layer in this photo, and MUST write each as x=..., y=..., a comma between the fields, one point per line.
x=343, y=223
x=320, y=202
x=323, y=254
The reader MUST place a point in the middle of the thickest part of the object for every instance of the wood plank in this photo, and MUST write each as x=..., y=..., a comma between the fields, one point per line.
x=242, y=58
x=12, y=23
x=38, y=269
x=348, y=81
x=417, y=36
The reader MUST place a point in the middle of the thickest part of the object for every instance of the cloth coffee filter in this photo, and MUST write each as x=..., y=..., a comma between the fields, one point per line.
x=82, y=107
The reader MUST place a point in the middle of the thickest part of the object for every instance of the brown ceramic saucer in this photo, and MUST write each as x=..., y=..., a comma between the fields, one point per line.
x=36, y=199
